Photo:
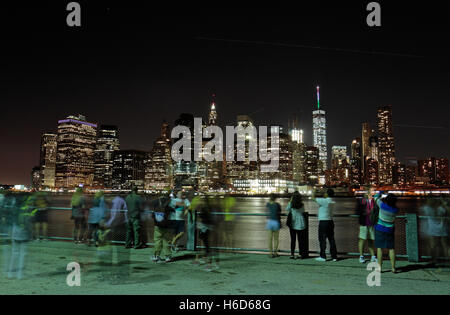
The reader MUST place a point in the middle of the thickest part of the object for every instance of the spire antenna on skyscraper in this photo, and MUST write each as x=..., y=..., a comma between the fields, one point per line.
x=318, y=97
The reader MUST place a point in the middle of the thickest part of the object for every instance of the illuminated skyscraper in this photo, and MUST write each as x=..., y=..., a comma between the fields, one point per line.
x=365, y=136
x=212, y=119
x=385, y=144
x=355, y=163
x=213, y=170
x=48, y=159
x=312, y=161
x=338, y=155
x=319, y=133
x=75, y=152
x=128, y=169
x=399, y=174
x=245, y=169
x=158, y=170
x=295, y=132
x=436, y=170
x=107, y=144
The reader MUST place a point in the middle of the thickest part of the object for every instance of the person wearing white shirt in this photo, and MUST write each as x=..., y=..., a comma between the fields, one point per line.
x=181, y=205
x=326, y=225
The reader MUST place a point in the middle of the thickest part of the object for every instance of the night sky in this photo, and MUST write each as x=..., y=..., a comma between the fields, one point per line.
x=133, y=66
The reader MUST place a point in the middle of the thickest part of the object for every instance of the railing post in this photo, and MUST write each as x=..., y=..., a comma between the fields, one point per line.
x=307, y=234
x=412, y=237
x=191, y=243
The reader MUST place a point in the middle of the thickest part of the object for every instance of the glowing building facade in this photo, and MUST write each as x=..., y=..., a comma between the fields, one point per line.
x=107, y=145
x=48, y=159
x=75, y=152
x=320, y=134
x=385, y=145
x=158, y=165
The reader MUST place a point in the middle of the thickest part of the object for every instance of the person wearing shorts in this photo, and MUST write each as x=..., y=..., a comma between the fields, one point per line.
x=364, y=209
x=273, y=225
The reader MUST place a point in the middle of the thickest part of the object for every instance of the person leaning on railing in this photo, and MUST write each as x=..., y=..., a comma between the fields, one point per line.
x=297, y=226
x=385, y=227
x=78, y=205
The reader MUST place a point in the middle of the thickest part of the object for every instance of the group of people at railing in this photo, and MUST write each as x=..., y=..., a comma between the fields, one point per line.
x=24, y=217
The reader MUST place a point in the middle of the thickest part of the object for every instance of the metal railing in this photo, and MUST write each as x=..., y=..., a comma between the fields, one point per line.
x=410, y=242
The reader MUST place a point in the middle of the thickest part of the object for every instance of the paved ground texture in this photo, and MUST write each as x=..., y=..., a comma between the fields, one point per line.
x=247, y=274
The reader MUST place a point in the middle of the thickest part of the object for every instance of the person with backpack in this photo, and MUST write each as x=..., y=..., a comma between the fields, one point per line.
x=163, y=230
x=78, y=205
x=385, y=227
x=367, y=212
x=297, y=225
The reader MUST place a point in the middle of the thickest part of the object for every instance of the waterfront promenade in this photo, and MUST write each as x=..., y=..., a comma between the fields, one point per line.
x=239, y=273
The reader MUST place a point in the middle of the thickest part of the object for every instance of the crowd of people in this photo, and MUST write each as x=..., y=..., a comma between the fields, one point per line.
x=24, y=217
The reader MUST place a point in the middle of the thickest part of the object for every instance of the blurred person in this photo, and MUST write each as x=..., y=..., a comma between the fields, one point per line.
x=112, y=226
x=364, y=208
x=297, y=225
x=6, y=223
x=78, y=204
x=385, y=227
x=227, y=230
x=41, y=217
x=162, y=234
x=326, y=225
x=436, y=229
x=181, y=205
x=96, y=214
x=273, y=225
x=24, y=211
x=205, y=226
x=135, y=206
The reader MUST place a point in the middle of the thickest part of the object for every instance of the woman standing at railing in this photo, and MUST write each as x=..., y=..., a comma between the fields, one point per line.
x=296, y=224
x=273, y=225
x=384, y=229
x=436, y=229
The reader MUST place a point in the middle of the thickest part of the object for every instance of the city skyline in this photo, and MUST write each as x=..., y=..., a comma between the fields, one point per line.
x=207, y=117
x=126, y=69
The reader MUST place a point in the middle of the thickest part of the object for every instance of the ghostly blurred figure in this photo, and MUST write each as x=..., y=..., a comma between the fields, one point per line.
x=206, y=230
x=7, y=204
x=78, y=204
x=435, y=229
x=96, y=215
x=24, y=211
x=227, y=226
x=41, y=217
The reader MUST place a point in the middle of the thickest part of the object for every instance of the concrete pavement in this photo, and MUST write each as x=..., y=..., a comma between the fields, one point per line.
x=246, y=274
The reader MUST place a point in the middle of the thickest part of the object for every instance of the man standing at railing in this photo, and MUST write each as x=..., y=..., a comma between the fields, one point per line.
x=326, y=225
x=135, y=206
x=364, y=209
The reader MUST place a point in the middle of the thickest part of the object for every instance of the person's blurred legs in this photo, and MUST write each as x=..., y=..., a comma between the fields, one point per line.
x=371, y=245
x=380, y=257
x=270, y=234
x=392, y=258
x=276, y=235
